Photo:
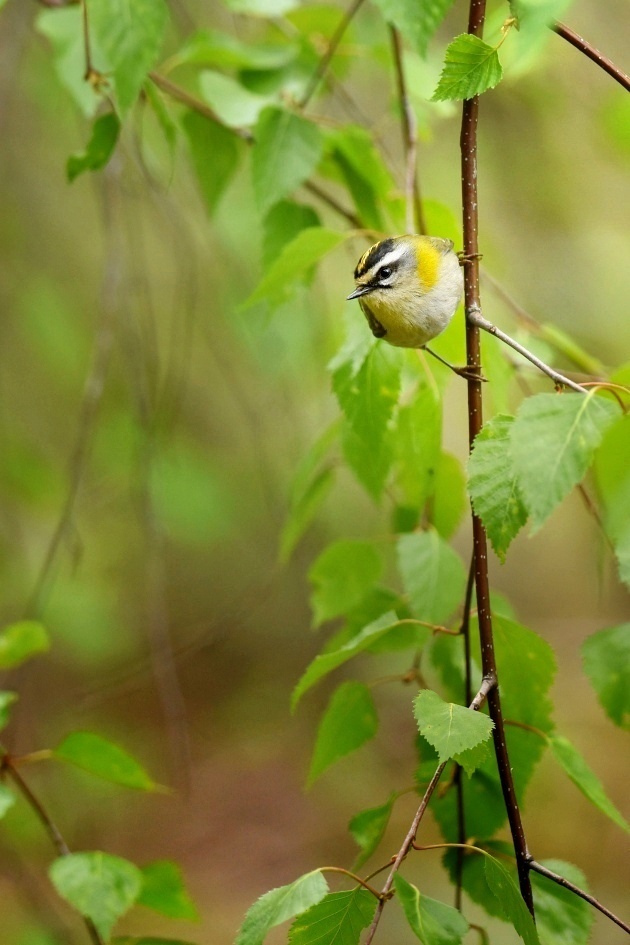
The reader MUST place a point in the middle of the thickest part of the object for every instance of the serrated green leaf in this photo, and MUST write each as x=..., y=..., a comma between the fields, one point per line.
x=418, y=439
x=164, y=891
x=100, y=886
x=295, y=260
x=7, y=799
x=470, y=68
x=416, y=22
x=450, y=728
x=449, y=502
x=473, y=758
x=7, y=699
x=281, y=904
x=340, y=918
x=326, y=662
x=362, y=168
x=99, y=149
x=511, y=903
x=350, y=720
x=606, y=660
x=234, y=105
x=562, y=918
x=370, y=462
x=434, y=922
x=368, y=827
x=63, y=28
x=612, y=474
x=356, y=346
x=369, y=395
x=341, y=577
x=287, y=149
x=130, y=35
x=493, y=486
x=215, y=152
x=585, y=779
x=104, y=759
x=553, y=439
x=433, y=575
x=20, y=641
x=282, y=224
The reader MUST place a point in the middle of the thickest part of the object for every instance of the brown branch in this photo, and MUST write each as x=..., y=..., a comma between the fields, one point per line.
x=459, y=783
x=357, y=879
x=592, y=53
x=324, y=62
x=470, y=212
x=561, y=881
x=191, y=101
x=414, y=213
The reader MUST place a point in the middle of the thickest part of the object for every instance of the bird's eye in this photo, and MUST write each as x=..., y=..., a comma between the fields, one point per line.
x=385, y=272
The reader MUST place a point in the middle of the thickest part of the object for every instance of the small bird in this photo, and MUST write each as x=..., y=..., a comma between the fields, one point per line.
x=408, y=288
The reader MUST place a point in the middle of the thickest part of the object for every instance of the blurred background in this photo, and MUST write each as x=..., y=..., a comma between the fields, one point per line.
x=150, y=429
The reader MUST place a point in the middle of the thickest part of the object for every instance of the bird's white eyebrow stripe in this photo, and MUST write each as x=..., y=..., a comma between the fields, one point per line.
x=390, y=258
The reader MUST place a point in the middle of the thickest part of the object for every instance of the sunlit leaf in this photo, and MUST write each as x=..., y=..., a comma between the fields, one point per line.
x=215, y=152
x=63, y=28
x=511, y=903
x=212, y=48
x=282, y=224
x=470, y=68
x=326, y=662
x=164, y=891
x=416, y=22
x=99, y=148
x=433, y=922
x=341, y=577
x=350, y=720
x=566, y=429
x=100, y=886
x=20, y=641
x=104, y=759
x=281, y=904
x=585, y=779
x=340, y=918
x=261, y=7
x=433, y=575
x=450, y=728
x=367, y=829
x=234, y=105
x=606, y=659
x=287, y=148
x=562, y=918
x=493, y=485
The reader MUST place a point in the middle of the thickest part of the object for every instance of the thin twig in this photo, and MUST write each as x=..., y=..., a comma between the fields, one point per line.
x=334, y=204
x=592, y=53
x=459, y=783
x=191, y=101
x=357, y=879
x=414, y=213
x=470, y=214
x=324, y=62
x=557, y=878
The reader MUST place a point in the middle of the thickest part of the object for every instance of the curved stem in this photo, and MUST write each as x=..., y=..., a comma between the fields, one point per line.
x=592, y=53
x=357, y=879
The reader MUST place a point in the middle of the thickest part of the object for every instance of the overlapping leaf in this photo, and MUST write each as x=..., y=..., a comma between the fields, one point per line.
x=450, y=728
x=433, y=575
x=340, y=918
x=606, y=658
x=279, y=905
x=104, y=759
x=349, y=721
x=433, y=922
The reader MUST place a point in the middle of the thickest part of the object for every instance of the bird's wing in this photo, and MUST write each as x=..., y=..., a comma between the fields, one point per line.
x=377, y=329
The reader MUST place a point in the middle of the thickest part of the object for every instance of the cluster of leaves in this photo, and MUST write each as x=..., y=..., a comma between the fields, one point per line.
x=100, y=886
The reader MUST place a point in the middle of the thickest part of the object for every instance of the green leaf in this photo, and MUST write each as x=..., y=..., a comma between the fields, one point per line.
x=370, y=462
x=433, y=575
x=536, y=16
x=585, y=779
x=356, y=346
x=450, y=728
x=234, y=105
x=606, y=659
x=553, y=440
x=341, y=577
x=104, y=759
x=350, y=720
x=417, y=22
x=434, y=922
x=494, y=489
x=511, y=903
x=449, y=502
x=295, y=260
x=156, y=100
x=473, y=758
x=287, y=149
x=303, y=512
x=368, y=827
x=215, y=152
x=282, y=224
x=262, y=8
x=340, y=918
x=418, y=439
x=362, y=168
x=99, y=148
x=130, y=35
x=164, y=891
x=212, y=48
x=562, y=918
x=326, y=662
x=612, y=474
x=7, y=699
x=100, y=886
x=20, y=641
x=470, y=68
x=7, y=799
x=63, y=28
x=281, y=904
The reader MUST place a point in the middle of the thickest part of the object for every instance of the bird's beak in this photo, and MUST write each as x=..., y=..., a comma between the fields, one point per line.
x=360, y=290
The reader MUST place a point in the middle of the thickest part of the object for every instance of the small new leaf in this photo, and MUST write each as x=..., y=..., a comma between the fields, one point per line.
x=20, y=641
x=281, y=904
x=511, y=903
x=470, y=68
x=367, y=829
x=434, y=922
x=606, y=658
x=164, y=891
x=585, y=779
x=99, y=148
x=340, y=918
x=104, y=759
x=451, y=729
x=349, y=721
x=100, y=886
